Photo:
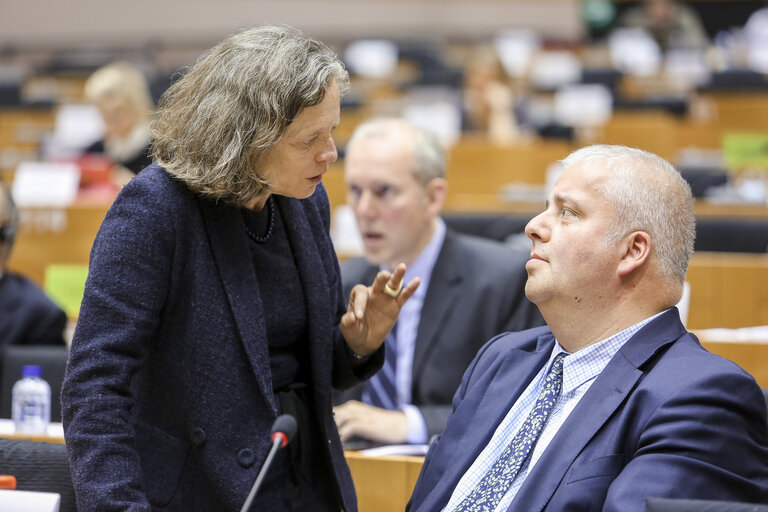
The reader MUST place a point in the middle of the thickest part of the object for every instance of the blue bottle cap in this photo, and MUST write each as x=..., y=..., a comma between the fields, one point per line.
x=31, y=370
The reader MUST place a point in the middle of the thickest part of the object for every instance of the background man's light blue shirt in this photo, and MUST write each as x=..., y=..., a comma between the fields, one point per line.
x=407, y=327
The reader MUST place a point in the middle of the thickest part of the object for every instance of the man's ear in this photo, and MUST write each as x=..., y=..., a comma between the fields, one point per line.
x=435, y=193
x=637, y=251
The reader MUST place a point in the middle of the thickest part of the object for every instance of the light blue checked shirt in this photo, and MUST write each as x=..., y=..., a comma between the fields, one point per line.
x=580, y=370
x=407, y=327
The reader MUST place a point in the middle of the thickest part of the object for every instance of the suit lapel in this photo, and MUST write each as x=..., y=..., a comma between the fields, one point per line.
x=226, y=232
x=585, y=420
x=442, y=296
x=494, y=394
x=607, y=393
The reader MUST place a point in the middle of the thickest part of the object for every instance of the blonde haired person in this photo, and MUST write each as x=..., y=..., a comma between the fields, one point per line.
x=121, y=93
x=214, y=302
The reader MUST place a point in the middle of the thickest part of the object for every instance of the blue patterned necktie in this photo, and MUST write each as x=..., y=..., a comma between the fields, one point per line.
x=496, y=482
x=381, y=389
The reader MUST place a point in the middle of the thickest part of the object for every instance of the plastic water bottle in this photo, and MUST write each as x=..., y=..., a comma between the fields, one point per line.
x=31, y=402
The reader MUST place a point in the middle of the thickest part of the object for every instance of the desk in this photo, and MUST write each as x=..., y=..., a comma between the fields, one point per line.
x=55, y=235
x=383, y=484
x=55, y=433
x=728, y=290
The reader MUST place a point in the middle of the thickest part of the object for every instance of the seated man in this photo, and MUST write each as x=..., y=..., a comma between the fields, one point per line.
x=613, y=401
x=471, y=288
x=27, y=315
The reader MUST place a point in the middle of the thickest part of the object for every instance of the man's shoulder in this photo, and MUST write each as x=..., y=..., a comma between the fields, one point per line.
x=19, y=290
x=687, y=353
x=355, y=270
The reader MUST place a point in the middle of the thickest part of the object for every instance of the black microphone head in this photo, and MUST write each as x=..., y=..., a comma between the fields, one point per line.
x=286, y=424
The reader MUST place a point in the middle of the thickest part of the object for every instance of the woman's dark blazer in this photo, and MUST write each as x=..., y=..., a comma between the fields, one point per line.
x=167, y=400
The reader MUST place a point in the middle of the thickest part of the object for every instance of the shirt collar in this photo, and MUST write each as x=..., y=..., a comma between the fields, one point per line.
x=587, y=363
x=422, y=266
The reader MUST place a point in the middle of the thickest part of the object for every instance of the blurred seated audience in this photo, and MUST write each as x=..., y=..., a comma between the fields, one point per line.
x=672, y=24
x=121, y=93
x=489, y=103
x=756, y=27
x=471, y=288
x=27, y=315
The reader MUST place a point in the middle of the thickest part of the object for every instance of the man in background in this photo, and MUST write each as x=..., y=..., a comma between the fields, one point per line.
x=471, y=288
x=613, y=401
x=27, y=315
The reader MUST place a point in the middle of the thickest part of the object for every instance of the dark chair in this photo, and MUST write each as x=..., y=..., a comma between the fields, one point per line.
x=680, y=505
x=701, y=180
x=719, y=235
x=52, y=361
x=38, y=466
x=731, y=235
x=494, y=226
x=736, y=80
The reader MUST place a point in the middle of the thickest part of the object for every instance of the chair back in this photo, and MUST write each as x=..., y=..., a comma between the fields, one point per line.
x=39, y=466
x=683, y=505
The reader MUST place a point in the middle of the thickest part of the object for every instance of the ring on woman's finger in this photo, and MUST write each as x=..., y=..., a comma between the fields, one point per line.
x=391, y=291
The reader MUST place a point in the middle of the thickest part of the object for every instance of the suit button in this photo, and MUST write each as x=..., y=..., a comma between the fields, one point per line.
x=246, y=457
x=197, y=436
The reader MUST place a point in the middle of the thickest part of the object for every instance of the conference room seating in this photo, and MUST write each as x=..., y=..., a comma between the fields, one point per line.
x=39, y=466
x=712, y=234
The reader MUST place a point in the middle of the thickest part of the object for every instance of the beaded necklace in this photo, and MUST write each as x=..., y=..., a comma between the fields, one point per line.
x=261, y=239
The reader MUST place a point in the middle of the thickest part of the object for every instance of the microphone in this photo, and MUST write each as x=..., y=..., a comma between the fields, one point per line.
x=283, y=430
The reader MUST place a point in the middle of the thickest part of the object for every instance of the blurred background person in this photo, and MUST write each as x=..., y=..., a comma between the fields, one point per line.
x=489, y=103
x=121, y=93
x=27, y=315
x=671, y=24
x=214, y=303
x=471, y=288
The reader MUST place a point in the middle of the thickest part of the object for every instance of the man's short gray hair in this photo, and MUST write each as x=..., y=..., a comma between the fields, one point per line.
x=216, y=123
x=428, y=152
x=647, y=194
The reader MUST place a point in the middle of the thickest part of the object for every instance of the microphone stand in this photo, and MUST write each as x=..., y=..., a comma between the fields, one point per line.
x=277, y=442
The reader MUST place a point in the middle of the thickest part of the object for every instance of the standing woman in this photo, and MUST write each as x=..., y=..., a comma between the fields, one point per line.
x=214, y=304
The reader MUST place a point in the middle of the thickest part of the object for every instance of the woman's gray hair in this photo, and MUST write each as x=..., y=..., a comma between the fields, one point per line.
x=216, y=123
x=647, y=194
x=428, y=152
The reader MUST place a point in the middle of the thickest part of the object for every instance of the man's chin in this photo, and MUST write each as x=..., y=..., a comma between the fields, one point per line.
x=534, y=293
x=374, y=258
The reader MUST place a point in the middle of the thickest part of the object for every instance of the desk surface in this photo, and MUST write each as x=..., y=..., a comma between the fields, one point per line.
x=55, y=433
x=383, y=484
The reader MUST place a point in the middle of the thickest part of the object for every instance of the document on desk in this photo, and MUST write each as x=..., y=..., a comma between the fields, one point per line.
x=417, y=450
x=28, y=501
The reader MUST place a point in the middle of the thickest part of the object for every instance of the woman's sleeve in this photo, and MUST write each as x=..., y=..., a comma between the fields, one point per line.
x=347, y=371
x=126, y=290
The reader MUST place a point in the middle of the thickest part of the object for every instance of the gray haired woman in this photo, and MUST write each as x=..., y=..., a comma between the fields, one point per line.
x=214, y=304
